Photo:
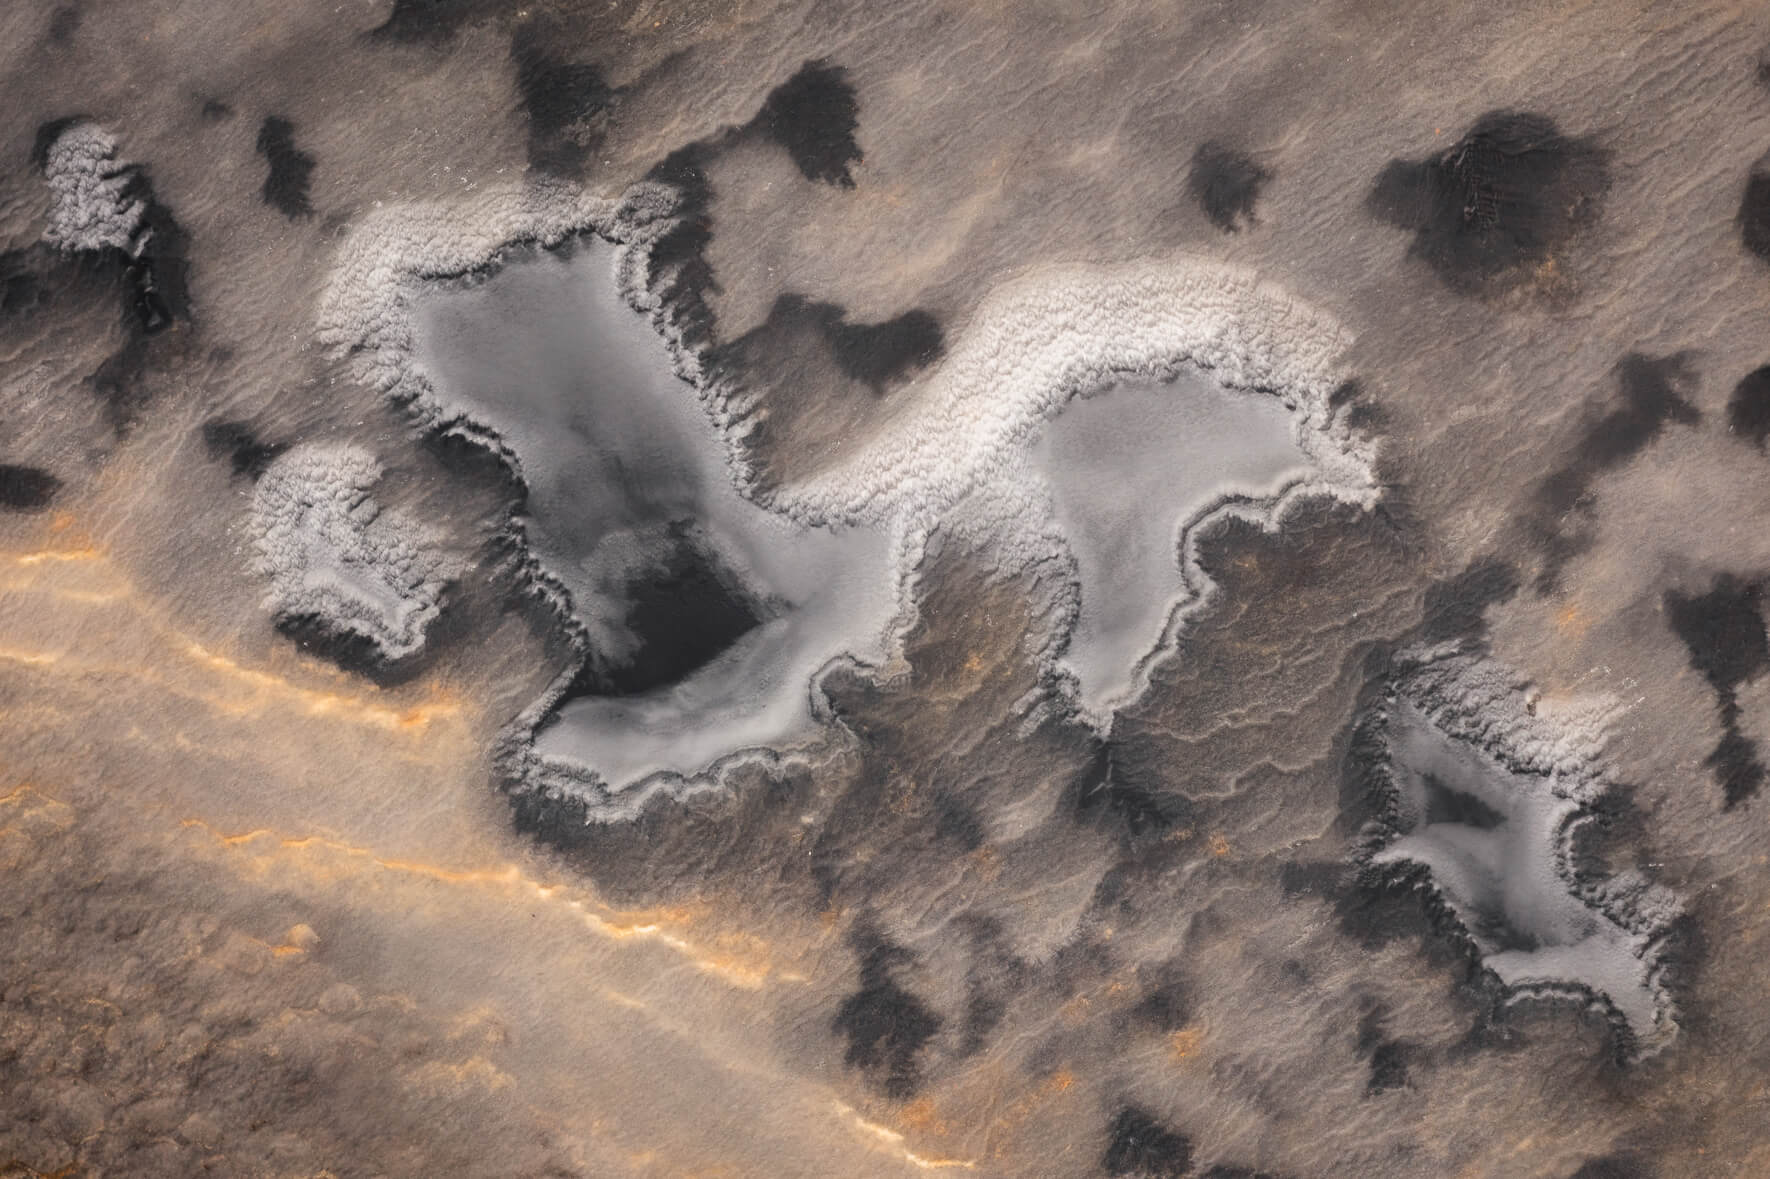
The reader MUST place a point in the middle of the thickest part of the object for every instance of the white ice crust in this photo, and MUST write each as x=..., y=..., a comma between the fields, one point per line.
x=89, y=208
x=332, y=554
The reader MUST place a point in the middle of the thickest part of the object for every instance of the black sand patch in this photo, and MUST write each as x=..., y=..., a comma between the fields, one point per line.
x=428, y=22
x=1655, y=391
x=1754, y=214
x=236, y=442
x=1226, y=184
x=1723, y=630
x=813, y=115
x=287, y=188
x=1140, y=1145
x=566, y=102
x=885, y=1025
x=1502, y=199
x=26, y=489
x=1748, y=409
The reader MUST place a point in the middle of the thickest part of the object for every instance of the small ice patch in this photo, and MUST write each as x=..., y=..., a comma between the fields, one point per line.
x=91, y=204
x=1487, y=796
x=334, y=557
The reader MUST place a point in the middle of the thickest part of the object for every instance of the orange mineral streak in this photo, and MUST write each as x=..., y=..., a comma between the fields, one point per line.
x=738, y=959
x=891, y=1140
x=25, y=804
x=1573, y=621
x=1184, y=1043
x=83, y=575
x=1007, y=1123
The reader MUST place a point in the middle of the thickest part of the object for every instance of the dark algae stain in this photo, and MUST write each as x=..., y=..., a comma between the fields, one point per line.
x=1655, y=391
x=1748, y=409
x=1140, y=1146
x=1723, y=630
x=1504, y=198
x=813, y=115
x=287, y=187
x=885, y=1025
x=1226, y=184
x=26, y=489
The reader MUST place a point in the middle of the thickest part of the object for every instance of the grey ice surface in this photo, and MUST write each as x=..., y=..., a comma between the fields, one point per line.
x=613, y=446
x=1129, y=468
x=1493, y=841
x=334, y=555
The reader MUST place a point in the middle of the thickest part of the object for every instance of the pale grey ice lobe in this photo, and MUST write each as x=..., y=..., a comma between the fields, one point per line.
x=1487, y=792
x=547, y=355
x=959, y=455
x=89, y=204
x=846, y=545
x=1131, y=469
x=334, y=556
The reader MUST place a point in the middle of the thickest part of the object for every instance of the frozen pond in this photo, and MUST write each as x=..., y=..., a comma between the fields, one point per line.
x=708, y=616
x=1129, y=468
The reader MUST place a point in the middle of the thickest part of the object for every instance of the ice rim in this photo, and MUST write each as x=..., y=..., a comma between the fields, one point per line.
x=954, y=466
x=1489, y=708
